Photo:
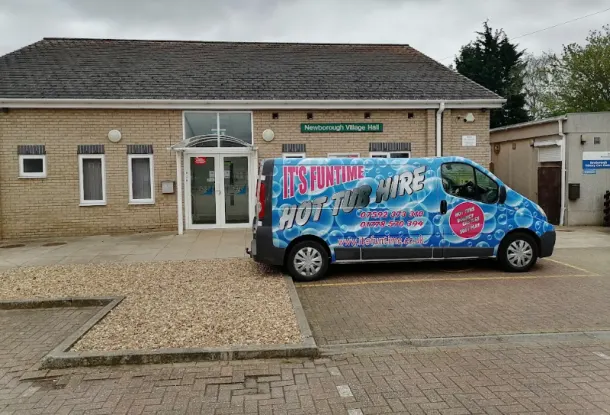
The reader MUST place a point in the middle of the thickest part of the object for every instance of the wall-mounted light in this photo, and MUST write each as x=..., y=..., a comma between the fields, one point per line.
x=268, y=135
x=497, y=148
x=582, y=141
x=114, y=136
x=469, y=117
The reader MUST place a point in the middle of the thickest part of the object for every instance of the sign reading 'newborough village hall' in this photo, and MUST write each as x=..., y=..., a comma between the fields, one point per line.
x=342, y=128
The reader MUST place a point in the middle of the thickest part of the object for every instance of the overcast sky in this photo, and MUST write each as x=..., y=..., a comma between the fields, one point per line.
x=435, y=27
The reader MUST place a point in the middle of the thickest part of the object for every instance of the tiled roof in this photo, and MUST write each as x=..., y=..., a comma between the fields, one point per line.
x=135, y=69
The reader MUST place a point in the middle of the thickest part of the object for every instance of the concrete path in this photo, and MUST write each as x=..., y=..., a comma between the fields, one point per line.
x=146, y=247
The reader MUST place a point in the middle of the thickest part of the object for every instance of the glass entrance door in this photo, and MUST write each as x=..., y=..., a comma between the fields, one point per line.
x=203, y=190
x=218, y=190
x=236, y=189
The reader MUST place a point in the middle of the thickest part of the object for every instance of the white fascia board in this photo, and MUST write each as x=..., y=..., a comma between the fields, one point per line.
x=245, y=104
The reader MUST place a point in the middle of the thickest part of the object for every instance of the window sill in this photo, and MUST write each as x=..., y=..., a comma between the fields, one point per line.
x=86, y=204
x=143, y=202
x=33, y=177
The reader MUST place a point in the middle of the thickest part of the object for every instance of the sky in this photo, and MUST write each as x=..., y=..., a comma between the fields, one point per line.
x=437, y=28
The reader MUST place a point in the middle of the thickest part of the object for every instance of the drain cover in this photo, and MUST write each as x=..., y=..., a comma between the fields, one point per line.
x=54, y=243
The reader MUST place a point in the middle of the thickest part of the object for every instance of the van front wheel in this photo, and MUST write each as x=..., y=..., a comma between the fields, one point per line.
x=307, y=261
x=518, y=252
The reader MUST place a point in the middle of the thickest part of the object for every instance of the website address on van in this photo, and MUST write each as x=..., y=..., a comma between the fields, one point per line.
x=380, y=241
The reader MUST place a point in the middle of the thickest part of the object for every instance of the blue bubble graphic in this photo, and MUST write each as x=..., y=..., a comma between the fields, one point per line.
x=334, y=236
x=483, y=245
x=502, y=219
x=499, y=234
x=524, y=218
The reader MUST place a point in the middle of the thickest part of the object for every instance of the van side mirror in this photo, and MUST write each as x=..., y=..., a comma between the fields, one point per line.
x=502, y=196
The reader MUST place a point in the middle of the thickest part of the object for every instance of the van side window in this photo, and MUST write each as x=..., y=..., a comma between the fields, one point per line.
x=488, y=189
x=463, y=180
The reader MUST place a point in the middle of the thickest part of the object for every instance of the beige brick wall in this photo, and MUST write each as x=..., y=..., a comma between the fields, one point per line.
x=397, y=127
x=454, y=128
x=32, y=208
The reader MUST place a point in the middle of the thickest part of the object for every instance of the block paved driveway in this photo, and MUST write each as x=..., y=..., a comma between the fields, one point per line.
x=510, y=378
x=379, y=302
x=386, y=303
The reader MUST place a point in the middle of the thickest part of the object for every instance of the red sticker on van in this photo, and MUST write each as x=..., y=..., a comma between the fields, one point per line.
x=467, y=220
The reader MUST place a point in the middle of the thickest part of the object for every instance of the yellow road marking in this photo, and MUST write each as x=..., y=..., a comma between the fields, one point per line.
x=567, y=265
x=504, y=278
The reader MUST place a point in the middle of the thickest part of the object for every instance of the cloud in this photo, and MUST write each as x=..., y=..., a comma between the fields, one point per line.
x=436, y=27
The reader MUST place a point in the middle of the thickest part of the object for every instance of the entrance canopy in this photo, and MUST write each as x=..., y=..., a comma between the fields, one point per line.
x=210, y=141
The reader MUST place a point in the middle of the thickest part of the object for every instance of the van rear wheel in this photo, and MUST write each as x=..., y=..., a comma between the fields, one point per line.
x=307, y=261
x=518, y=252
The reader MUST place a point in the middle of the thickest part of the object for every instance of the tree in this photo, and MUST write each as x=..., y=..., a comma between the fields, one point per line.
x=492, y=61
x=580, y=77
x=538, y=86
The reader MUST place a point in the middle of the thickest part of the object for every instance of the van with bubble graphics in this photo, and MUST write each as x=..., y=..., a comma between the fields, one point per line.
x=314, y=212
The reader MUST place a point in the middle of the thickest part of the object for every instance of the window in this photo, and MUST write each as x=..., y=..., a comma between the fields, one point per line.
x=487, y=187
x=391, y=154
x=32, y=166
x=92, y=178
x=219, y=129
x=293, y=155
x=343, y=155
x=463, y=180
x=141, y=179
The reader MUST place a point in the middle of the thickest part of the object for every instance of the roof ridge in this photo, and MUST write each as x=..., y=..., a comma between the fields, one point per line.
x=244, y=42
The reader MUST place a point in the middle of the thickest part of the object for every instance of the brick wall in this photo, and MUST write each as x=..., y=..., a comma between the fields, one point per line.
x=454, y=127
x=32, y=208
x=397, y=127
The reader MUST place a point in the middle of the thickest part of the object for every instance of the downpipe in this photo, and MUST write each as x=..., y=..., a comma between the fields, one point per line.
x=439, y=129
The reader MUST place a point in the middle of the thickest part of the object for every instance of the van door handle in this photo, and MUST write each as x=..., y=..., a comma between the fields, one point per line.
x=443, y=207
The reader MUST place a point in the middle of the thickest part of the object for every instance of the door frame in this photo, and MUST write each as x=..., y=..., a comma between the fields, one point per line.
x=218, y=154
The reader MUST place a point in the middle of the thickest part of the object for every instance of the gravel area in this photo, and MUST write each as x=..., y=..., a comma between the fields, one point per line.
x=170, y=304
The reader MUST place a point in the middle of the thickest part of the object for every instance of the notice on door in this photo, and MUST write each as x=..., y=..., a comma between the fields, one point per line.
x=200, y=160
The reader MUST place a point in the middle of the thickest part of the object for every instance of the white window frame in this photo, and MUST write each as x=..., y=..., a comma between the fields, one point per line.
x=293, y=155
x=387, y=154
x=81, y=183
x=219, y=149
x=29, y=175
x=133, y=201
x=343, y=155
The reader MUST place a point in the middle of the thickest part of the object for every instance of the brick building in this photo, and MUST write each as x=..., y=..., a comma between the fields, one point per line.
x=106, y=136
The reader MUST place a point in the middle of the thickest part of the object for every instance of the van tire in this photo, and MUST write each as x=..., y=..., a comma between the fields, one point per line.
x=307, y=251
x=518, y=252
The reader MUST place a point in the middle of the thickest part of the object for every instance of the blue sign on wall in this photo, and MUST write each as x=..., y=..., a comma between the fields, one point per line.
x=595, y=164
x=595, y=160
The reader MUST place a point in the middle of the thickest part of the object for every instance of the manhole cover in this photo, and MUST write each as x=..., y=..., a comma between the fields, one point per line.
x=54, y=243
x=12, y=246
